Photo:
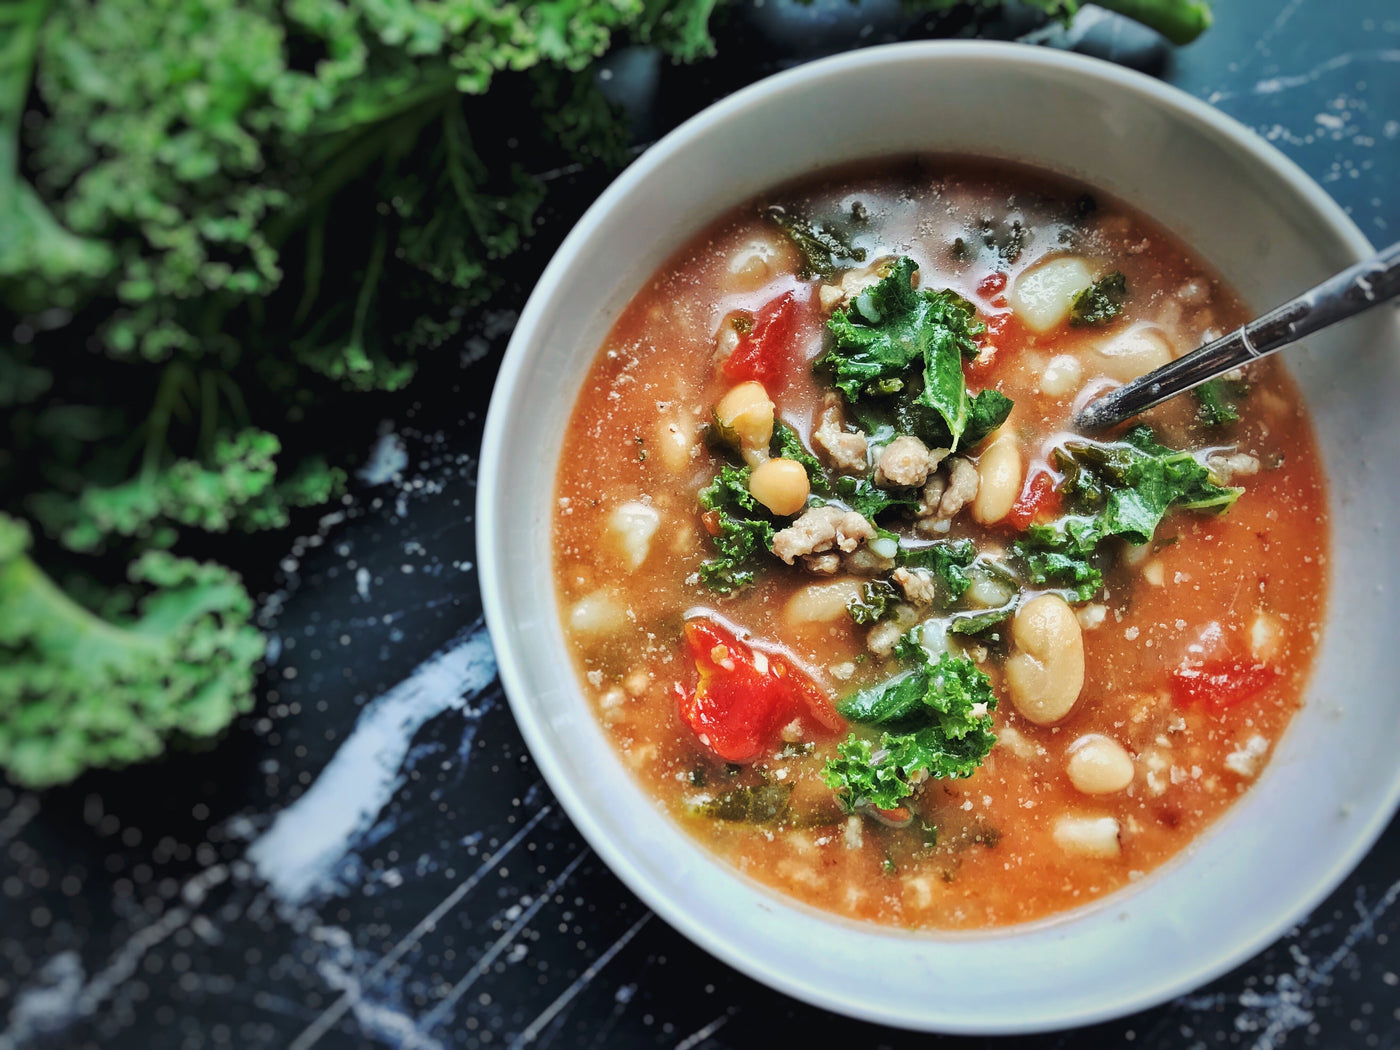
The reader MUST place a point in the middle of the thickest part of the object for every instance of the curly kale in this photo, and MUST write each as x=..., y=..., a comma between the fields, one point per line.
x=1101, y=302
x=78, y=690
x=742, y=531
x=898, y=351
x=935, y=721
x=1118, y=488
x=218, y=220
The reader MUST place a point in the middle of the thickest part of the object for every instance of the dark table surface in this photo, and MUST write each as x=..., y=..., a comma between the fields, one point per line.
x=371, y=858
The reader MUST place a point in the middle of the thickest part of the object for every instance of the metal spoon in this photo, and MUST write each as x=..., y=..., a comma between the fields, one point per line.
x=1354, y=290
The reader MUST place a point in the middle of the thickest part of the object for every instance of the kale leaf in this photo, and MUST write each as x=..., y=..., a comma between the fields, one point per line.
x=947, y=560
x=762, y=804
x=745, y=531
x=936, y=721
x=232, y=219
x=1215, y=405
x=788, y=445
x=874, y=603
x=903, y=349
x=977, y=622
x=1121, y=488
x=987, y=410
x=865, y=497
x=1101, y=302
x=79, y=689
x=823, y=247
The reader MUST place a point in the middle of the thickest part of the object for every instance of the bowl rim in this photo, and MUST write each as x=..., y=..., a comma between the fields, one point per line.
x=513, y=372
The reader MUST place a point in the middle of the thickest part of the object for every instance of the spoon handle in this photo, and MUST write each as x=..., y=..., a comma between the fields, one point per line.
x=1354, y=290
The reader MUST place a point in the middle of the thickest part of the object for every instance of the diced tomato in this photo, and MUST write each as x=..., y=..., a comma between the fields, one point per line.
x=1039, y=502
x=1220, y=684
x=992, y=284
x=745, y=697
x=765, y=349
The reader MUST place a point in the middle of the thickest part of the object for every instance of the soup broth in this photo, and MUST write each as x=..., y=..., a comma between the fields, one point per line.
x=808, y=566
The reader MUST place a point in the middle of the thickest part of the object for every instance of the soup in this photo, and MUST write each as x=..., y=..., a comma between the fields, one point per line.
x=860, y=609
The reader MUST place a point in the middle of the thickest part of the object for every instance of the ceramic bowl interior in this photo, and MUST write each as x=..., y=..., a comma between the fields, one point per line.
x=1333, y=781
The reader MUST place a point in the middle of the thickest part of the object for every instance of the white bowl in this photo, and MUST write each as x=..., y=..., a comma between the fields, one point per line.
x=1334, y=780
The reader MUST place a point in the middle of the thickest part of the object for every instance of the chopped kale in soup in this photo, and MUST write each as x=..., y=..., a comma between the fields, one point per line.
x=858, y=606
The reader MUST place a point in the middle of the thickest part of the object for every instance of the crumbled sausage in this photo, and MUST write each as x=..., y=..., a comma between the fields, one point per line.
x=905, y=463
x=840, y=447
x=931, y=496
x=962, y=487
x=825, y=564
x=945, y=493
x=822, y=529
x=918, y=585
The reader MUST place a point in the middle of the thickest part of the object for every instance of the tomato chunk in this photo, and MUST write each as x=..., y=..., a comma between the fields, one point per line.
x=745, y=696
x=764, y=350
x=992, y=285
x=1039, y=502
x=1220, y=684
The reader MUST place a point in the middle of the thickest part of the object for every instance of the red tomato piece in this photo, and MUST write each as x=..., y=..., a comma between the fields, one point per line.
x=992, y=284
x=1220, y=684
x=1039, y=501
x=764, y=350
x=745, y=696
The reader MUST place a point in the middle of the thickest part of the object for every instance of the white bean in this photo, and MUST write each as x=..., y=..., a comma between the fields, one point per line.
x=752, y=266
x=988, y=592
x=630, y=529
x=675, y=441
x=598, y=613
x=821, y=602
x=1099, y=765
x=999, y=477
x=1265, y=636
x=1046, y=673
x=1061, y=376
x=1132, y=353
x=1087, y=836
x=1042, y=296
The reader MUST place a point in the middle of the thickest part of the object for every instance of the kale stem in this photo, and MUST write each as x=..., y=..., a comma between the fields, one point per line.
x=20, y=23
x=162, y=408
x=373, y=269
x=1180, y=21
x=31, y=597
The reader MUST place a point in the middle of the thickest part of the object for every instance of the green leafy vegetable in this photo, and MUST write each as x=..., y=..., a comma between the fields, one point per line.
x=865, y=497
x=936, y=721
x=986, y=411
x=1180, y=21
x=745, y=534
x=763, y=804
x=1123, y=489
x=788, y=445
x=1215, y=402
x=1101, y=301
x=948, y=561
x=977, y=622
x=874, y=603
x=824, y=248
x=903, y=349
x=218, y=219
x=79, y=690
